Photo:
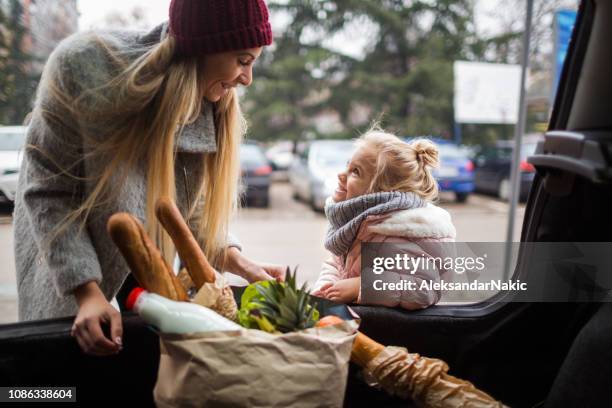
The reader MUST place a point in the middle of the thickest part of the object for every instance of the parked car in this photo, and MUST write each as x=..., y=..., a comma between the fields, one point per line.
x=493, y=167
x=455, y=173
x=255, y=175
x=314, y=173
x=524, y=354
x=12, y=141
x=280, y=155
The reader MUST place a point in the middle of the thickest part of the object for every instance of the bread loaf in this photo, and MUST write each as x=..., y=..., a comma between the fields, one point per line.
x=144, y=259
x=189, y=250
x=364, y=348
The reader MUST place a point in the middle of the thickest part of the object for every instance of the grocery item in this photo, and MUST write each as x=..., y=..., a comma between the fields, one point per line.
x=144, y=259
x=209, y=288
x=185, y=279
x=364, y=348
x=218, y=296
x=274, y=306
x=409, y=375
x=186, y=245
x=173, y=317
x=252, y=368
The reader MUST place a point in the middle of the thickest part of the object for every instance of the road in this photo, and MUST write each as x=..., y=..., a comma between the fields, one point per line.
x=290, y=233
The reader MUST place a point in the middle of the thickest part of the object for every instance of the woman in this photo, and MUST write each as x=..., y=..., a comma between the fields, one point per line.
x=122, y=118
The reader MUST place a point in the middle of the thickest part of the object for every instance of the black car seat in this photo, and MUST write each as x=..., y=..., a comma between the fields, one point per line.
x=585, y=378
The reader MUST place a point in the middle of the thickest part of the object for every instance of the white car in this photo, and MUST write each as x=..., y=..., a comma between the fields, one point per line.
x=12, y=141
x=314, y=173
x=280, y=155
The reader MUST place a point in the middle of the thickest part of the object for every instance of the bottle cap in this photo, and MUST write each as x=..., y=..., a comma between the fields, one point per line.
x=133, y=297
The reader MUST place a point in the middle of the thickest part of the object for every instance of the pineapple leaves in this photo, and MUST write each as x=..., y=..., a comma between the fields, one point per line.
x=278, y=306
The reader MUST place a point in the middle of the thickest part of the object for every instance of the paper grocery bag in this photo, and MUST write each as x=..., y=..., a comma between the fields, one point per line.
x=219, y=297
x=252, y=368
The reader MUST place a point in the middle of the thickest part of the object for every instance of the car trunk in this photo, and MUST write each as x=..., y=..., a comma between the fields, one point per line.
x=42, y=353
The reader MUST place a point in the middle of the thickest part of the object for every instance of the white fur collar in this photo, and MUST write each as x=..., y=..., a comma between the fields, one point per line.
x=425, y=222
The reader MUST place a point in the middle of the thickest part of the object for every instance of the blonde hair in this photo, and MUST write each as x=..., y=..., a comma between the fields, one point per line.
x=402, y=166
x=140, y=108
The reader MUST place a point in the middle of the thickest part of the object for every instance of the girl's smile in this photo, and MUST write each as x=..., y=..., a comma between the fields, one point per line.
x=358, y=176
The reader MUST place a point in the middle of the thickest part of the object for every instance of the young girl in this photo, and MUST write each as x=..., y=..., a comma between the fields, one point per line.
x=385, y=195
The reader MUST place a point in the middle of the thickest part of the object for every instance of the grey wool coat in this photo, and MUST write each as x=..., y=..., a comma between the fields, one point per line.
x=48, y=274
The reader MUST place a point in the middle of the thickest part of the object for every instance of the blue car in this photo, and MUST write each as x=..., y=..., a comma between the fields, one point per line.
x=456, y=170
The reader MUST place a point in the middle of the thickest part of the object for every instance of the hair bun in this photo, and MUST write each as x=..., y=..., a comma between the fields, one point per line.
x=426, y=152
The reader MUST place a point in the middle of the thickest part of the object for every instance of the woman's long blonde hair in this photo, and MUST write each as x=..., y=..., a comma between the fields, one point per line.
x=402, y=166
x=140, y=108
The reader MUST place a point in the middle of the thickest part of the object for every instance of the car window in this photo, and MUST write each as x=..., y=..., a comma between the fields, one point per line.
x=251, y=154
x=333, y=155
x=488, y=153
x=13, y=141
x=454, y=83
x=451, y=152
x=504, y=153
x=528, y=149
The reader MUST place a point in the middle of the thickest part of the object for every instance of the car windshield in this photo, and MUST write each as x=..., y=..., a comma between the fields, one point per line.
x=528, y=150
x=251, y=154
x=450, y=152
x=12, y=141
x=334, y=154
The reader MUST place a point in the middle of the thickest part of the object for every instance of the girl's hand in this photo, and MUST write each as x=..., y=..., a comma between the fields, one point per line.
x=253, y=271
x=94, y=310
x=343, y=291
x=321, y=291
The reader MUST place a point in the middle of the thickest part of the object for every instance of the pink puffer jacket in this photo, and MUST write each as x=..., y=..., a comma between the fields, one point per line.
x=423, y=228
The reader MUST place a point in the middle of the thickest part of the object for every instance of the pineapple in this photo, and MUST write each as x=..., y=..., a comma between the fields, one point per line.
x=278, y=306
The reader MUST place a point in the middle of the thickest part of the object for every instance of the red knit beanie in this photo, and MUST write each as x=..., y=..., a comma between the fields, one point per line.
x=211, y=26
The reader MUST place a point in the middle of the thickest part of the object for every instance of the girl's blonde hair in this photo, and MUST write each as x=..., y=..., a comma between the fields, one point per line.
x=140, y=108
x=402, y=166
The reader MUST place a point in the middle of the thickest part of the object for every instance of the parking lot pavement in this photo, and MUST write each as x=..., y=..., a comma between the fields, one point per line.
x=290, y=233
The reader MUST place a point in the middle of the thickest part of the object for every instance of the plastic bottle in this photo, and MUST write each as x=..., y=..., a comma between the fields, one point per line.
x=170, y=316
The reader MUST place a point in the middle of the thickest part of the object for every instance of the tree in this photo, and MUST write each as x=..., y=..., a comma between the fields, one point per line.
x=405, y=73
x=293, y=78
x=17, y=80
x=5, y=48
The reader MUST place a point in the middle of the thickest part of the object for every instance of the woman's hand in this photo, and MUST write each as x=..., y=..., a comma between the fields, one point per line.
x=94, y=310
x=253, y=271
x=342, y=291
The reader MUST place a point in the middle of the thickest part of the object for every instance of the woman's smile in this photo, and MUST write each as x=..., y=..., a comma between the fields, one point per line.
x=226, y=70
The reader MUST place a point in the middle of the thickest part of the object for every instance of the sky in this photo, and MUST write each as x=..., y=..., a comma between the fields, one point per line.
x=92, y=12
x=351, y=42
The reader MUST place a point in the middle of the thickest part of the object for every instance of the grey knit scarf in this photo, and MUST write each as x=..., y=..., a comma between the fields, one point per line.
x=345, y=217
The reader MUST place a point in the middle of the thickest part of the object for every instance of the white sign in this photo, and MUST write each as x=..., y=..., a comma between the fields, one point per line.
x=486, y=93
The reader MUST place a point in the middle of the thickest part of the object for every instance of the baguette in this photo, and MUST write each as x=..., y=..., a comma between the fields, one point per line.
x=144, y=259
x=424, y=380
x=191, y=254
x=364, y=348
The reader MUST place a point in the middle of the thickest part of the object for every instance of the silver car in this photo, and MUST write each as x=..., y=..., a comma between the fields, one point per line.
x=314, y=172
x=12, y=141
